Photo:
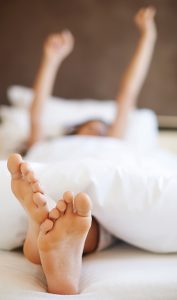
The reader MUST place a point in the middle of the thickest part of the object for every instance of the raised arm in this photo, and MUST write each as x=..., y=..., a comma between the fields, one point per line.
x=136, y=72
x=56, y=48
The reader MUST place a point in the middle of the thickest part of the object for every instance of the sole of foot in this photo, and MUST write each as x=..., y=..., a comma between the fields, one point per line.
x=61, y=242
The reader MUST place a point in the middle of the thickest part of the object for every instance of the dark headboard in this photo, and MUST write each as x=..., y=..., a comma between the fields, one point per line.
x=105, y=40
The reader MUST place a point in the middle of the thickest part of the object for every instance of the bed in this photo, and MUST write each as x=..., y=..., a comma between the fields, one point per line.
x=119, y=272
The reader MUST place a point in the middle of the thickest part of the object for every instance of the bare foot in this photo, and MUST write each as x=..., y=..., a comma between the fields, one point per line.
x=27, y=190
x=61, y=242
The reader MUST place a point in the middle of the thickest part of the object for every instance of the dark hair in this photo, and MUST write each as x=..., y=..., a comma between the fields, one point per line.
x=73, y=130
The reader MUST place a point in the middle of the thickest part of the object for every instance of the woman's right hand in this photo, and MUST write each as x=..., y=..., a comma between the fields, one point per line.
x=144, y=20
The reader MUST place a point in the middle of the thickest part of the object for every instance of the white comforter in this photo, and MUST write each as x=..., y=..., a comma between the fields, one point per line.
x=111, y=150
x=134, y=192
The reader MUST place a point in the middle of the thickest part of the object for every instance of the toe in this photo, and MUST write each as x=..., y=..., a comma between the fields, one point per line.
x=39, y=199
x=68, y=198
x=46, y=226
x=13, y=164
x=82, y=204
x=61, y=206
x=54, y=214
x=31, y=178
x=25, y=168
x=36, y=187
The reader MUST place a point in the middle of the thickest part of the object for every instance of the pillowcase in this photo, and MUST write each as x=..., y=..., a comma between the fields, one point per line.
x=134, y=196
x=59, y=113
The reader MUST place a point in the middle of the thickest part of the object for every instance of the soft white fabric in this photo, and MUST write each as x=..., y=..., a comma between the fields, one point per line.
x=121, y=273
x=13, y=224
x=83, y=165
x=134, y=194
x=132, y=191
x=105, y=239
x=59, y=113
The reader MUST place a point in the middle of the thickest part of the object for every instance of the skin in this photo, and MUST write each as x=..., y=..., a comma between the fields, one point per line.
x=68, y=231
x=55, y=239
x=93, y=128
x=56, y=49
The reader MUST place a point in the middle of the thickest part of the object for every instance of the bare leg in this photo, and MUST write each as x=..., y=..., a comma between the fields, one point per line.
x=66, y=232
x=92, y=239
x=26, y=188
x=61, y=243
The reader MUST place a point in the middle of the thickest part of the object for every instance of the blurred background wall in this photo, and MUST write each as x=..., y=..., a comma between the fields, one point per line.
x=105, y=40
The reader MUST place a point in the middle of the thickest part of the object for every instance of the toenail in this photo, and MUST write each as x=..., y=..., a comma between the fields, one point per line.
x=61, y=205
x=68, y=196
x=82, y=205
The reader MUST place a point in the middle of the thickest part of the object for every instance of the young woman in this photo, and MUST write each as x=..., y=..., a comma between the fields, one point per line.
x=58, y=46
x=58, y=238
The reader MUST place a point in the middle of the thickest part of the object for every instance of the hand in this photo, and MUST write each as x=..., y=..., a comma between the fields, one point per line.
x=144, y=19
x=58, y=46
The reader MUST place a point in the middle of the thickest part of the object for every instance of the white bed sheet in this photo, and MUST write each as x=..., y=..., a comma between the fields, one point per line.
x=121, y=272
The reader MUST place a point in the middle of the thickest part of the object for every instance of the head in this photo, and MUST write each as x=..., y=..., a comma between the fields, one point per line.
x=93, y=127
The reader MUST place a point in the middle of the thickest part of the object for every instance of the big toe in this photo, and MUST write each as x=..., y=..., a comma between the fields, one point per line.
x=82, y=204
x=13, y=164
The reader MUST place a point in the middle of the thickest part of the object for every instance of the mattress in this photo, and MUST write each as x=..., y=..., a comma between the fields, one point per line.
x=120, y=272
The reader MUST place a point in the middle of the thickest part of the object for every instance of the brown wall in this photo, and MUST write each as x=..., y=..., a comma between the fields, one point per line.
x=105, y=39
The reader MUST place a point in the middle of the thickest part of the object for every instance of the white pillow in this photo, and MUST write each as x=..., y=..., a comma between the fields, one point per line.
x=58, y=113
x=133, y=196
